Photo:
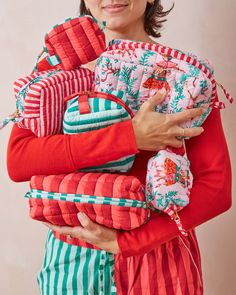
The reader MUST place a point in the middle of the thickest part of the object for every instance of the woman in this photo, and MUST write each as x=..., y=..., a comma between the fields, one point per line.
x=152, y=259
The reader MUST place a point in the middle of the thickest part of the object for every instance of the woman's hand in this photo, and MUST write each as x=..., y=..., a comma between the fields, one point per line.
x=90, y=232
x=154, y=131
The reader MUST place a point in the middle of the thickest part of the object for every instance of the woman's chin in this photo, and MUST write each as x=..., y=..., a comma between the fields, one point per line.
x=115, y=23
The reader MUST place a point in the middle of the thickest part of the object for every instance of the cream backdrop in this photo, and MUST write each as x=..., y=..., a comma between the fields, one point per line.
x=206, y=27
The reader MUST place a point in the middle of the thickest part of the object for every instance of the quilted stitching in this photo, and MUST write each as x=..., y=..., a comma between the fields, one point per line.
x=77, y=41
x=64, y=212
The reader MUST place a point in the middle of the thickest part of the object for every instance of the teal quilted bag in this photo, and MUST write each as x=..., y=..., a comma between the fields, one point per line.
x=87, y=111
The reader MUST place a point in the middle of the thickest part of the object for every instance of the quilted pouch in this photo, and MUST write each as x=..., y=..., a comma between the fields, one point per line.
x=40, y=99
x=168, y=184
x=140, y=70
x=88, y=111
x=112, y=200
x=74, y=42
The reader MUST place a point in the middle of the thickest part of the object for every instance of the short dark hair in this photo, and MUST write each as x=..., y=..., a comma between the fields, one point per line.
x=153, y=18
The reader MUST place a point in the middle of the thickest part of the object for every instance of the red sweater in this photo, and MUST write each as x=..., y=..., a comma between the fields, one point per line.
x=210, y=196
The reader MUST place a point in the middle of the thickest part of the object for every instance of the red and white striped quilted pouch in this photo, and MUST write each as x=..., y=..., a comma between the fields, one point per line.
x=40, y=99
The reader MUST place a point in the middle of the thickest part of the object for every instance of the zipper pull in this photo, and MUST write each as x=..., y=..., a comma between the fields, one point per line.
x=219, y=104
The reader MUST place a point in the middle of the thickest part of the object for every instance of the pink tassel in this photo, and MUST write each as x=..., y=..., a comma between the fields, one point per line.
x=174, y=216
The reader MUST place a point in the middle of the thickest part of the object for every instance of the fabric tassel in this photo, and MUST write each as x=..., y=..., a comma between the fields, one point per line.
x=174, y=216
x=13, y=117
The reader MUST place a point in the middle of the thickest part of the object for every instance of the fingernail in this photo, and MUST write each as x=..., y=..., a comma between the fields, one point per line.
x=202, y=129
x=81, y=216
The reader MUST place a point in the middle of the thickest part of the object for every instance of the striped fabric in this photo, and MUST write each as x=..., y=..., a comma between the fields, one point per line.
x=174, y=268
x=76, y=41
x=94, y=110
x=42, y=98
x=116, y=201
x=73, y=270
x=171, y=269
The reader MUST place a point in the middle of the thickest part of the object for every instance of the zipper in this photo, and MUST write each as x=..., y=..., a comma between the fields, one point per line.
x=183, y=57
x=85, y=199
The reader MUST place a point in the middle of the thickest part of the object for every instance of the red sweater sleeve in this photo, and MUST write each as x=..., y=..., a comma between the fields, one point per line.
x=210, y=194
x=30, y=155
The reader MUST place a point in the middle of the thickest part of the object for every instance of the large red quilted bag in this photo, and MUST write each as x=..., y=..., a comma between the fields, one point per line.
x=113, y=200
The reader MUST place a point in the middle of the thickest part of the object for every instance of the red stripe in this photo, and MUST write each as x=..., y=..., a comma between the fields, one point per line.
x=94, y=49
x=153, y=274
x=59, y=106
x=166, y=271
x=121, y=275
x=176, y=53
x=78, y=55
x=182, y=275
x=187, y=265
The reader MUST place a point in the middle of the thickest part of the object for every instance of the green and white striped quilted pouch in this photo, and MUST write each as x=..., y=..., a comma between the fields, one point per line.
x=88, y=111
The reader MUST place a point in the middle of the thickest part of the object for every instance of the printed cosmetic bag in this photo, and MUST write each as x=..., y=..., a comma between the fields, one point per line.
x=113, y=200
x=40, y=99
x=140, y=70
x=88, y=111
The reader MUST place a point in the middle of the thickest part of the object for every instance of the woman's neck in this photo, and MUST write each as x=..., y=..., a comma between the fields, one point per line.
x=129, y=33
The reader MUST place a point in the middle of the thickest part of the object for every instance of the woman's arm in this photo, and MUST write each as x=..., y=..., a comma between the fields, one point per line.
x=30, y=155
x=210, y=195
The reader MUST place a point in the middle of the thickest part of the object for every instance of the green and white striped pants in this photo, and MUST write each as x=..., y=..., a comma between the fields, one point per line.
x=73, y=270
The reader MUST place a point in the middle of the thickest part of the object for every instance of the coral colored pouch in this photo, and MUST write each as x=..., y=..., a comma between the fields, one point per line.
x=113, y=200
x=74, y=42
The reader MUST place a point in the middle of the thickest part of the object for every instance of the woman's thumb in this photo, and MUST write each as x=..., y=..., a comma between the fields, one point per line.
x=155, y=100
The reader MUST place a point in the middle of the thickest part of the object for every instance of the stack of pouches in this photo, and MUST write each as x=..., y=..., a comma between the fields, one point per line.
x=132, y=72
x=111, y=199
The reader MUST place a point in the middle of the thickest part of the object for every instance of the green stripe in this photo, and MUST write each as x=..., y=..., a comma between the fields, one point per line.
x=70, y=131
x=56, y=268
x=54, y=251
x=119, y=106
x=66, y=268
x=79, y=261
x=107, y=275
x=85, y=272
x=50, y=261
x=108, y=104
x=96, y=105
x=91, y=268
x=60, y=270
x=76, y=271
x=95, y=272
x=113, y=164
